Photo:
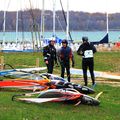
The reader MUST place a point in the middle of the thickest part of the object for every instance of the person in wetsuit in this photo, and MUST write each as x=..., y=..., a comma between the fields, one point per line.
x=65, y=55
x=50, y=57
x=86, y=50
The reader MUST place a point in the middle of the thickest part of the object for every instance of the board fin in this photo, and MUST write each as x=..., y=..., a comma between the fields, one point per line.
x=98, y=95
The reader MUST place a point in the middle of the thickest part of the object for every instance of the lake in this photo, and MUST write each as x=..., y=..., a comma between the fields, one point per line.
x=76, y=35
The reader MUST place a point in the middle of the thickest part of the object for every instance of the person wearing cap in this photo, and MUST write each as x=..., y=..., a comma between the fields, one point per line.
x=50, y=57
x=65, y=55
x=86, y=50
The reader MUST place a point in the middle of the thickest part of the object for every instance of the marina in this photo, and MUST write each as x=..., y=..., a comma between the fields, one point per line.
x=36, y=37
x=26, y=44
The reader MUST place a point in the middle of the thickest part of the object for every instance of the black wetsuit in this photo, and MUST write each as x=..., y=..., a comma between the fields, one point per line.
x=87, y=50
x=49, y=53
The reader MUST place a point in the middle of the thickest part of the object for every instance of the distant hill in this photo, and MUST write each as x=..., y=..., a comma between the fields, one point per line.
x=78, y=20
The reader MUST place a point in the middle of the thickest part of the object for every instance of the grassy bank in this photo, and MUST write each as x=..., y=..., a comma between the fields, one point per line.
x=108, y=109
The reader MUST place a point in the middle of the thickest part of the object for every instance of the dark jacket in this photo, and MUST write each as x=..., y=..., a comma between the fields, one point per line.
x=65, y=54
x=49, y=53
x=86, y=50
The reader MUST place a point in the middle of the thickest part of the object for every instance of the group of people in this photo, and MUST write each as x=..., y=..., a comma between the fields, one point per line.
x=66, y=58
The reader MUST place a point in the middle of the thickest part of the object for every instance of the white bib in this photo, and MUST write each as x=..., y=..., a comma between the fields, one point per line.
x=88, y=54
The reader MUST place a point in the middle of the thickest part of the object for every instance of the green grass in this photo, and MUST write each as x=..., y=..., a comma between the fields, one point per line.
x=104, y=61
x=107, y=61
x=19, y=60
x=109, y=108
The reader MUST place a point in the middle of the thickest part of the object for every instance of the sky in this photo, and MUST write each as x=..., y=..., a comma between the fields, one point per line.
x=111, y=6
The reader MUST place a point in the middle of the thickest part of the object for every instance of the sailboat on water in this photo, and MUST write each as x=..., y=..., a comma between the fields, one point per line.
x=43, y=41
x=38, y=40
x=105, y=39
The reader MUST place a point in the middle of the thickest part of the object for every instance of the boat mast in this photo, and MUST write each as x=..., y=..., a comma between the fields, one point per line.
x=67, y=26
x=42, y=22
x=17, y=26
x=54, y=14
x=4, y=24
x=107, y=21
x=68, y=34
x=4, y=19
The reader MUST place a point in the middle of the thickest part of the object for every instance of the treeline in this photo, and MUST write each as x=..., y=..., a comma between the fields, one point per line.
x=84, y=21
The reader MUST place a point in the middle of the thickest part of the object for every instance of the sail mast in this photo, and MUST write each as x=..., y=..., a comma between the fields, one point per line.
x=54, y=4
x=4, y=24
x=42, y=22
x=107, y=20
x=17, y=25
x=67, y=26
x=4, y=19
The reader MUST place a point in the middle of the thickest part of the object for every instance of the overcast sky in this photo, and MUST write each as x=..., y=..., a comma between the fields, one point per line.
x=111, y=6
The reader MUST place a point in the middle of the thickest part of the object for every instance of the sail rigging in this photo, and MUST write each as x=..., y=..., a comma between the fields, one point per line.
x=66, y=20
x=105, y=39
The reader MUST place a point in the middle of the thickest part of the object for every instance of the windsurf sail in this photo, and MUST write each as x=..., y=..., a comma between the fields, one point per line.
x=24, y=71
x=67, y=95
x=4, y=72
x=54, y=95
x=37, y=100
x=15, y=83
x=41, y=84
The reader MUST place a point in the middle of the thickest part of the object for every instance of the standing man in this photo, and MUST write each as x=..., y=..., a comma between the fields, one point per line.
x=65, y=55
x=49, y=53
x=86, y=50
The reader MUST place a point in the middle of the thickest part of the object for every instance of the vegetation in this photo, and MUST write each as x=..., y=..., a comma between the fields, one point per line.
x=78, y=20
x=110, y=99
x=108, y=109
x=104, y=61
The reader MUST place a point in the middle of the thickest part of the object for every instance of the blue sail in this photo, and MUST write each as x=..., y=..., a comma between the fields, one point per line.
x=57, y=40
x=104, y=40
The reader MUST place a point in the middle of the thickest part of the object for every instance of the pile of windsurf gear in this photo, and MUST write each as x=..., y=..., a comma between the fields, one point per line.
x=41, y=82
x=56, y=89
